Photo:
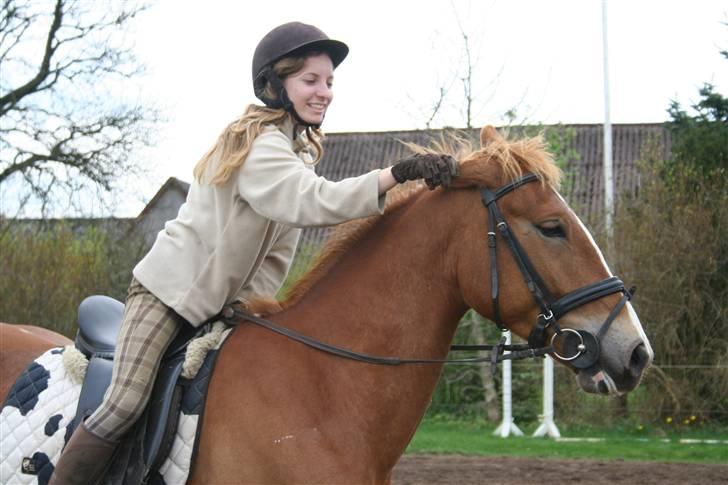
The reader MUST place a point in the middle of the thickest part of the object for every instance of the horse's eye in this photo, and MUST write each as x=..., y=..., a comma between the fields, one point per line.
x=552, y=229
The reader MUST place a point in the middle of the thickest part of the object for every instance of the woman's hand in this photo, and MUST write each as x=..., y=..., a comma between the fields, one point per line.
x=434, y=169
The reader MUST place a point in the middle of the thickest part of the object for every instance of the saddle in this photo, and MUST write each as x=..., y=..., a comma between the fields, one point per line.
x=99, y=320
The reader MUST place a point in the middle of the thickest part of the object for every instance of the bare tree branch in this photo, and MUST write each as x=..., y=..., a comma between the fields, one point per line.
x=14, y=96
x=436, y=107
x=62, y=126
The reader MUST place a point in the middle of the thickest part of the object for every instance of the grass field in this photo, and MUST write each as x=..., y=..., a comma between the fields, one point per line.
x=447, y=436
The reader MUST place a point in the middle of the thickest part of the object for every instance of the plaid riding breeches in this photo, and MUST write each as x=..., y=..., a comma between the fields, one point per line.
x=148, y=327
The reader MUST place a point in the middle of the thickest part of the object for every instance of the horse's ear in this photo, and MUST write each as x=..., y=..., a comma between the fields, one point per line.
x=489, y=134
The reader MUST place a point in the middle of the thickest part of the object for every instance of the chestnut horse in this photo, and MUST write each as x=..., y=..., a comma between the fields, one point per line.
x=397, y=285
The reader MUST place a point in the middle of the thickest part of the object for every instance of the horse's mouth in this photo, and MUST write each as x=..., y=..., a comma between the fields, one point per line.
x=596, y=381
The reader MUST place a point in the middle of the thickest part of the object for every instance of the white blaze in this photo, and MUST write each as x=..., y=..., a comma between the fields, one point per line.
x=631, y=314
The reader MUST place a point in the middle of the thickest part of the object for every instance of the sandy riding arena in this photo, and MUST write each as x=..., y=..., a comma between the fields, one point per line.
x=449, y=469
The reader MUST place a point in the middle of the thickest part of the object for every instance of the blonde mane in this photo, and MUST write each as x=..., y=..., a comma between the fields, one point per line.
x=498, y=157
x=498, y=161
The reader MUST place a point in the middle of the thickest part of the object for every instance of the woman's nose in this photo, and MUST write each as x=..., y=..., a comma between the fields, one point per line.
x=325, y=91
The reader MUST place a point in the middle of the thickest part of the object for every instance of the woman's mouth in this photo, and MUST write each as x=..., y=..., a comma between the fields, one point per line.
x=317, y=107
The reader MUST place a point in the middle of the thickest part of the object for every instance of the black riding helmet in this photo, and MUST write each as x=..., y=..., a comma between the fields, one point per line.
x=289, y=39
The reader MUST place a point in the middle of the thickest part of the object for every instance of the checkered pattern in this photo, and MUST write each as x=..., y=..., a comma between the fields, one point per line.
x=149, y=326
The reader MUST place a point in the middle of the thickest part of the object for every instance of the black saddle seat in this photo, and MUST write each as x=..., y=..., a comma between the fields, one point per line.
x=99, y=320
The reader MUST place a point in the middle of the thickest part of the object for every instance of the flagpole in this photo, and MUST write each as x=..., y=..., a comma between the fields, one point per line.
x=608, y=175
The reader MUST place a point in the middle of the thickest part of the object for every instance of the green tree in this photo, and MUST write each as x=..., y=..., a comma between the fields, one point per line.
x=700, y=140
x=673, y=246
x=50, y=266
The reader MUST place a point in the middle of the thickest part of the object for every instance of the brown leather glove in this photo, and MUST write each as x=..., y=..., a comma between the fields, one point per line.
x=434, y=169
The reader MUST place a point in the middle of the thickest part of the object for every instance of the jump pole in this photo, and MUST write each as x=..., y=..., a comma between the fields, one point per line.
x=507, y=426
x=548, y=427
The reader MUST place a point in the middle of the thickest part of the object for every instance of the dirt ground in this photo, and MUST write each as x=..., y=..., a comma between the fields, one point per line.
x=462, y=470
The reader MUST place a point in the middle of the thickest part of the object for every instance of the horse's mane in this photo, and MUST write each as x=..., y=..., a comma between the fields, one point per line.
x=513, y=158
x=498, y=161
x=343, y=237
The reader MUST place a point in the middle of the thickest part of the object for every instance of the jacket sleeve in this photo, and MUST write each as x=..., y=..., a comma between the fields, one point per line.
x=279, y=186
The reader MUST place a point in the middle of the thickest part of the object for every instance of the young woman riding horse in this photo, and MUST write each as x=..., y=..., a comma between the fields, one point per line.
x=236, y=234
x=397, y=285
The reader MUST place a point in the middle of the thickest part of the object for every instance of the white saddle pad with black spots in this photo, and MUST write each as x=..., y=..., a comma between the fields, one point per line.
x=33, y=420
x=43, y=402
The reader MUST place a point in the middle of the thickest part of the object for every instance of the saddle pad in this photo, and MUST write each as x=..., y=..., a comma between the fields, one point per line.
x=33, y=420
x=176, y=468
x=42, y=403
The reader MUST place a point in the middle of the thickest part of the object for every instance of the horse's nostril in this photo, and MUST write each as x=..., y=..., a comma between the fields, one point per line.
x=602, y=387
x=639, y=360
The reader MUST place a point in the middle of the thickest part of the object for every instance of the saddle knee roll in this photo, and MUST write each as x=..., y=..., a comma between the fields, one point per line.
x=95, y=384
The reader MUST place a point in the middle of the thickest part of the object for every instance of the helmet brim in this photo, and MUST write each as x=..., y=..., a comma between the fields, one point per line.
x=335, y=49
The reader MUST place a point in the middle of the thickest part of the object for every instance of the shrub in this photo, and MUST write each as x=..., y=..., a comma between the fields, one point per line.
x=671, y=243
x=48, y=270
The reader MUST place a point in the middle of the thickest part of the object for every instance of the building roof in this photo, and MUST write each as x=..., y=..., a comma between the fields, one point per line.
x=349, y=154
x=172, y=183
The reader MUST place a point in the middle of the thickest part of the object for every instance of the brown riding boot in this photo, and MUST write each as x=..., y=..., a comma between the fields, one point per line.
x=84, y=460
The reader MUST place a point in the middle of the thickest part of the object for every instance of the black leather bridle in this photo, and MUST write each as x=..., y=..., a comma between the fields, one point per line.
x=579, y=347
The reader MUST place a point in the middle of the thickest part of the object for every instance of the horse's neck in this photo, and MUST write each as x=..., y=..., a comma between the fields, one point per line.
x=395, y=289
x=393, y=294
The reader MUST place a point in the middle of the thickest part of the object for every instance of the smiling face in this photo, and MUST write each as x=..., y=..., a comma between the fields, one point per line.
x=309, y=89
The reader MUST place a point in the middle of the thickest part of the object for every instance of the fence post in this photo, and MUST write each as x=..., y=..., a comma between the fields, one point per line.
x=507, y=426
x=548, y=427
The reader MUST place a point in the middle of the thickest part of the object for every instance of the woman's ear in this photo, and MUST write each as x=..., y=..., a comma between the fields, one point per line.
x=488, y=134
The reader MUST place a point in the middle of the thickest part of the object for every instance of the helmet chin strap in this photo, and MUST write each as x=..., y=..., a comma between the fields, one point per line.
x=302, y=122
x=282, y=100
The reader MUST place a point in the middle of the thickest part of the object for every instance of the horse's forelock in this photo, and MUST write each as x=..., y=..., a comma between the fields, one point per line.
x=456, y=144
x=508, y=160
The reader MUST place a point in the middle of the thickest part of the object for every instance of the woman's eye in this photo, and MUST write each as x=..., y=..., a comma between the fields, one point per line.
x=552, y=230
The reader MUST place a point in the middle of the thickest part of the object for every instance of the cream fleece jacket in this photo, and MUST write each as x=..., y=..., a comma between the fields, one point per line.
x=238, y=239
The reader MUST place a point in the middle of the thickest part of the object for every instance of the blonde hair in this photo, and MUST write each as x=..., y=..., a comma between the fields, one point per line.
x=234, y=143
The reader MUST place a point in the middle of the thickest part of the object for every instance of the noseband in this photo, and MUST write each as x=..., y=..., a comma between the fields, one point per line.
x=580, y=348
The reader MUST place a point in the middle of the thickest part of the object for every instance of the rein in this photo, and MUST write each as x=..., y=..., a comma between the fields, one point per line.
x=582, y=348
x=233, y=316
